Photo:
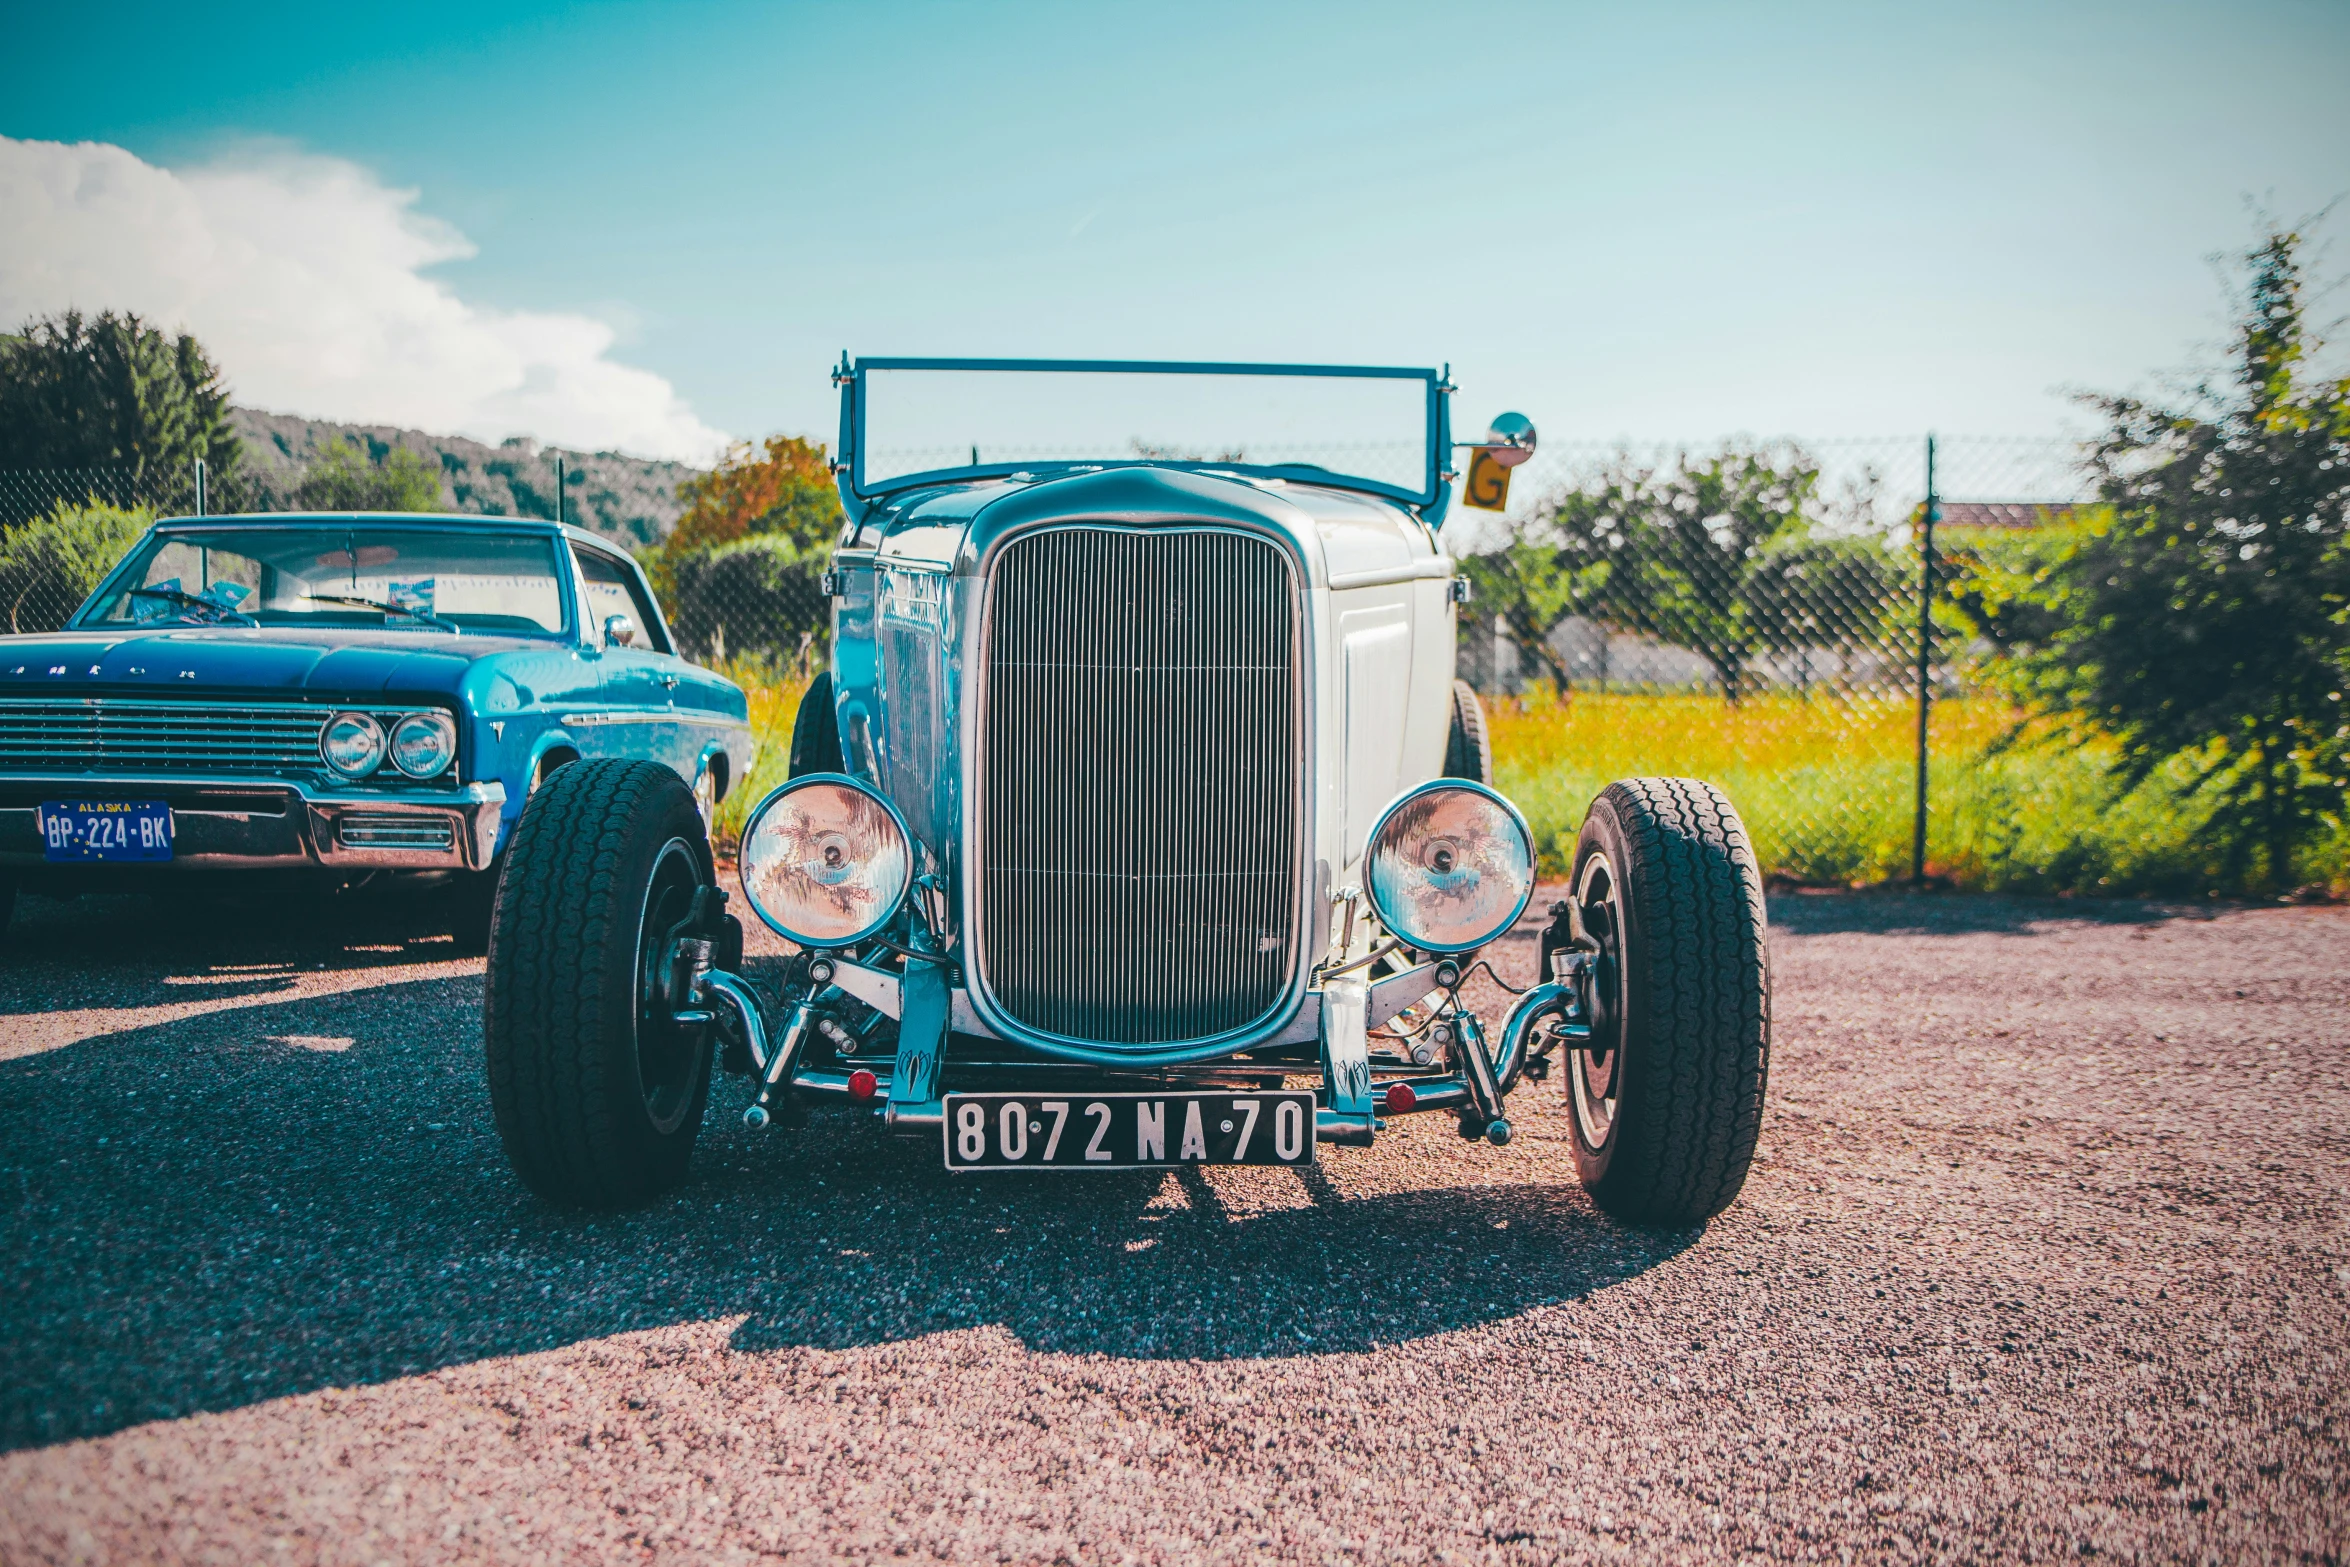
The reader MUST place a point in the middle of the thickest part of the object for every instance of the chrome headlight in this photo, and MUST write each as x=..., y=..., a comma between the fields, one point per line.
x=826, y=861
x=1451, y=865
x=423, y=744
x=352, y=744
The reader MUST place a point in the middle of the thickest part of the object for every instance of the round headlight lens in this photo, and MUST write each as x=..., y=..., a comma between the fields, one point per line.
x=1451, y=866
x=423, y=744
x=352, y=744
x=826, y=861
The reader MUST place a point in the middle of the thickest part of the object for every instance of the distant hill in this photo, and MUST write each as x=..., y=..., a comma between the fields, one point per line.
x=631, y=500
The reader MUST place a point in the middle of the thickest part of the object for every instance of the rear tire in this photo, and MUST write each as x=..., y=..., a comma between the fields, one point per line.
x=598, y=1098
x=815, y=732
x=1469, y=751
x=1666, y=1102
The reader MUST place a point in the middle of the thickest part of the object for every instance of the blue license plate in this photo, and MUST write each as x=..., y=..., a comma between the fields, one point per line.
x=105, y=829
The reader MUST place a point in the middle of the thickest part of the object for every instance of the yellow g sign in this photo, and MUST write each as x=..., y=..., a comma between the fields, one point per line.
x=1488, y=488
x=1508, y=443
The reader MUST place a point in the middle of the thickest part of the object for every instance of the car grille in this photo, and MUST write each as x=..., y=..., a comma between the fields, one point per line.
x=104, y=734
x=1141, y=802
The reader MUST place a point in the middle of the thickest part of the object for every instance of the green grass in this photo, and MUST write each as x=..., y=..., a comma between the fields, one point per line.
x=1827, y=788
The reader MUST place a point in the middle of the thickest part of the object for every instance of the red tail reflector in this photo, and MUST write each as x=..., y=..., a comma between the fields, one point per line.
x=862, y=1085
x=1400, y=1098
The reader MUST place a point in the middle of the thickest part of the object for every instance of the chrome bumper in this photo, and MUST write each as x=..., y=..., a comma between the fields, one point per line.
x=233, y=823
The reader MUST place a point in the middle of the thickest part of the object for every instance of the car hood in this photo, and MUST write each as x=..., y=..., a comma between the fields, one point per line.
x=185, y=660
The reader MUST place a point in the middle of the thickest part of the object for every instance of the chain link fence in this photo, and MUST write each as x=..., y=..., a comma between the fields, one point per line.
x=1749, y=612
x=1743, y=611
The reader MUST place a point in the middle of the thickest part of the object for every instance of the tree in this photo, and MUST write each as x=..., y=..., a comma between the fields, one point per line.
x=345, y=478
x=111, y=392
x=1695, y=555
x=1526, y=588
x=2207, y=623
x=758, y=595
x=1995, y=586
x=783, y=488
x=49, y=565
x=1848, y=596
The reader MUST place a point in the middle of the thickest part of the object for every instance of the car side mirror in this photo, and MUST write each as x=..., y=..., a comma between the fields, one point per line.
x=1510, y=440
x=619, y=631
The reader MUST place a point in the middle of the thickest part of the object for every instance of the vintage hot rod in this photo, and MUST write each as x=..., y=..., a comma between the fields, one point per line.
x=1139, y=820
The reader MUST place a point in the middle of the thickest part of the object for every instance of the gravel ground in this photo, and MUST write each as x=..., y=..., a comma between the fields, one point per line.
x=2043, y=1257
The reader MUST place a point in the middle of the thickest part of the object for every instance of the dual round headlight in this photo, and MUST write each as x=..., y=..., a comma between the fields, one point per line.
x=421, y=745
x=424, y=744
x=1450, y=866
x=826, y=861
x=352, y=744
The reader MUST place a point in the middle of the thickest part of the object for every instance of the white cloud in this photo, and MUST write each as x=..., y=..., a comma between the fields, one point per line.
x=304, y=277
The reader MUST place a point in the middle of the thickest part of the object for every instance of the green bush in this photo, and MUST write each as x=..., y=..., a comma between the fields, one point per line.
x=49, y=565
x=2199, y=625
x=755, y=597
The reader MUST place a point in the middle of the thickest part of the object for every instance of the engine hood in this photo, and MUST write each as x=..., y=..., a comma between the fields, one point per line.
x=1338, y=536
x=185, y=660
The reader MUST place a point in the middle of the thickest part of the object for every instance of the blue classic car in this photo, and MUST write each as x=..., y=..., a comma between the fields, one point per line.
x=339, y=696
x=1139, y=822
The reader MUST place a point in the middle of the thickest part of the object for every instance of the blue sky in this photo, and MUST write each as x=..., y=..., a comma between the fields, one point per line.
x=1647, y=222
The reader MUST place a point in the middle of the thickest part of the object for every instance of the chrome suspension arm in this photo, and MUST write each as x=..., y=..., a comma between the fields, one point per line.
x=1535, y=1005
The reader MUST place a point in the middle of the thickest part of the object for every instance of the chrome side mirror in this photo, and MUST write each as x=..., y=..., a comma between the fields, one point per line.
x=619, y=631
x=1510, y=439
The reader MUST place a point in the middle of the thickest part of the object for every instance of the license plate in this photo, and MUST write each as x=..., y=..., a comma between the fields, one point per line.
x=1126, y=1131
x=105, y=829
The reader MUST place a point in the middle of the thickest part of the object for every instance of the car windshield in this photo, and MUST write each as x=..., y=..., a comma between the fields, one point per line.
x=419, y=579
x=931, y=416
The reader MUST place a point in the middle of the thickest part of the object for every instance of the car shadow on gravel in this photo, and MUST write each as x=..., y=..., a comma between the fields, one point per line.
x=1891, y=913
x=1099, y=1265
x=293, y=1194
x=219, y=919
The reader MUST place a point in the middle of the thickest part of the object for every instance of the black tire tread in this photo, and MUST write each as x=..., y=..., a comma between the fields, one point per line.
x=815, y=735
x=552, y=994
x=1693, y=1112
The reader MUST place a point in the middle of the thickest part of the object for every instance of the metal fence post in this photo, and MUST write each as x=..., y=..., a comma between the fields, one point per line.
x=200, y=487
x=1930, y=514
x=558, y=487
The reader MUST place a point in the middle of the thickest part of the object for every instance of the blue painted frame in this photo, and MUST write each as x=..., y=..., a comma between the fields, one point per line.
x=850, y=456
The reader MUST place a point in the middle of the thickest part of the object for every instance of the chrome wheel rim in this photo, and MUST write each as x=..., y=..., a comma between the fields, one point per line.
x=1595, y=1077
x=668, y=1065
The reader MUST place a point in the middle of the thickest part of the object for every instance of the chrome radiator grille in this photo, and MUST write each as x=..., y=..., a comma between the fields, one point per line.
x=105, y=734
x=1140, y=781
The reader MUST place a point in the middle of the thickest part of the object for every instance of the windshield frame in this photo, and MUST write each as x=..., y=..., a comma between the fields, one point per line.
x=557, y=538
x=1436, y=478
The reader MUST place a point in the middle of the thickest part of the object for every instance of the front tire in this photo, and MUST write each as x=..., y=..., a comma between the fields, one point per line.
x=598, y=1096
x=1667, y=1098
